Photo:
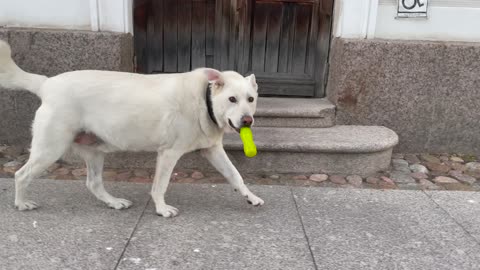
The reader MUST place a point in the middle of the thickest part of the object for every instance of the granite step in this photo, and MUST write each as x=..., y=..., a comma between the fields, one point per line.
x=361, y=150
x=294, y=112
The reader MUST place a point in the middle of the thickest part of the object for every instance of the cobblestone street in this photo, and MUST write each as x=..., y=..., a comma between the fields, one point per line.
x=407, y=172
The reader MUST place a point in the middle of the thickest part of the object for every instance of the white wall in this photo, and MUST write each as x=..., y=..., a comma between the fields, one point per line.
x=354, y=18
x=456, y=20
x=448, y=20
x=95, y=15
x=73, y=14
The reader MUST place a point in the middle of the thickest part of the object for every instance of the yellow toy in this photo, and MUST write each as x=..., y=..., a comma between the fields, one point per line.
x=248, y=145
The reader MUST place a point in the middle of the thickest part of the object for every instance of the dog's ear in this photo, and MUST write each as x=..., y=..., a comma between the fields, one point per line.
x=214, y=76
x=251, y=79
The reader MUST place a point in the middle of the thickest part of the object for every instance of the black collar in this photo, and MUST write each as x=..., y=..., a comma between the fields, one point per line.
x=208, y=98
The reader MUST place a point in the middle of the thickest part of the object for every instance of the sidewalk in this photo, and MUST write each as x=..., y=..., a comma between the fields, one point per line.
x=297, y=228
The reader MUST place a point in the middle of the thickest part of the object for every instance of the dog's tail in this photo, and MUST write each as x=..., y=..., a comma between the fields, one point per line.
x=14, y=78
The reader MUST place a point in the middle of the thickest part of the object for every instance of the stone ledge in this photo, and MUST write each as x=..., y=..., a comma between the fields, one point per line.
x=363, y=164
x=338, y=139
x=294, y=112
x=294, y=107
x=338, y=150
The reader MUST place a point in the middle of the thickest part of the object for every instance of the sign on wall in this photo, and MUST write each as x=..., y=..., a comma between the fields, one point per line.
x=412, y=8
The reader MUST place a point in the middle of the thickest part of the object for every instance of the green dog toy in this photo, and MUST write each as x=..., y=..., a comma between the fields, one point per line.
x=248, y=145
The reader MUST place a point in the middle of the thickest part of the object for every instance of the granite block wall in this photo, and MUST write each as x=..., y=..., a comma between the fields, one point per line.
x=51, y=52
x=427, y=92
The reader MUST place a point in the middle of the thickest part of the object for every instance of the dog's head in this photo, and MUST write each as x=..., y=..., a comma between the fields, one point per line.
x=234, y=98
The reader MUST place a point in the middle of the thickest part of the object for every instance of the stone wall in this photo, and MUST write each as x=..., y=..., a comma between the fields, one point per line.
x=427, y=92
x=51, y=52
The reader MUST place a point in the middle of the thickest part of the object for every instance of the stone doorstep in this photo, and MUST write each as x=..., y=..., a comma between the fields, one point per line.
x=294, y=112
x=362, y=150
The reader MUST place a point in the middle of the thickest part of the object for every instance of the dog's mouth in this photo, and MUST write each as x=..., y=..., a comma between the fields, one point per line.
x=233, y=126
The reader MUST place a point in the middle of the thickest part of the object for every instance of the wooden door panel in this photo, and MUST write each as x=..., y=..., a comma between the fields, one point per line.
x=184, y=30
x=225, y=34
x=280, y=35
x=175, y=35
x=302, y=15
x=199, y=27
x=209, y=33
x=156, y=46
x=261, y=13
x=273, y=38
x=170, y=35
x=284, y=42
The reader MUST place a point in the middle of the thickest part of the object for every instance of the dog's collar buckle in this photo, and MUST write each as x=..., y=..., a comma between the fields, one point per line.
x=208, y=98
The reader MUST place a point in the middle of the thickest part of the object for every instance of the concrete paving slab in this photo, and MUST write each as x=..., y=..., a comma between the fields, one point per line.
x=464, y=207
x=70, y=230
x=370, y=229
x=217, y=229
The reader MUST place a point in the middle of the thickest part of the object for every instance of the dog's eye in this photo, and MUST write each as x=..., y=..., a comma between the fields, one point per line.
x=251, y=99
x=232, y=99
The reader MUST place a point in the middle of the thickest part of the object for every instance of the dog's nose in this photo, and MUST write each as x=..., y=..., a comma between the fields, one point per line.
x=247, y=121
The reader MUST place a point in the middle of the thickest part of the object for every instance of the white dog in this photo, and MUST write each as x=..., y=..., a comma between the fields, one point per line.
x=97, y=112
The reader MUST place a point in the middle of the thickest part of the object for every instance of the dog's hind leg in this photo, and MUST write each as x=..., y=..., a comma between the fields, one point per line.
x=94, y=160
x=50, y=141
x=219, y=159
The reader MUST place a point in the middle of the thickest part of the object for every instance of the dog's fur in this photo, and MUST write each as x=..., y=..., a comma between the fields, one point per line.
x=166, y=113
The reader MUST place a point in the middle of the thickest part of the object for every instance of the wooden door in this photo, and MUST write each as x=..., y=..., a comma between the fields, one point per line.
x=284, y=42
x=174, y=35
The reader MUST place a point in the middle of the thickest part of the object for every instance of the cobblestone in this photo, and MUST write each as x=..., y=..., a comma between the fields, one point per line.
x=418, y=168
x=456, y=159
x=466, y=179
x=401, y=177
x=438, y=167
x=412, y=158
x=355, y=180
x=109, y=174
x=338, y=179
x=429, y=158
x=197, y=175
x=473, y=169
x=419, y=175
x=386, y=182
x=372, y=180
x=141, y=173
x=428, y=185
x=444, y=180
x=318, y=177
x=456, y=166
x=124, y=176
x=299, y=177
x=400, y=165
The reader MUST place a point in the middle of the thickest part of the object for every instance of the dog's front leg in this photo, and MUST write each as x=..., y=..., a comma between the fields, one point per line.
x=219, y=159
x=166, y=161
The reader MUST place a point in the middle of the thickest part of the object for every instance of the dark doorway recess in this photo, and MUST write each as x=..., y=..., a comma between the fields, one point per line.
x=284, y=42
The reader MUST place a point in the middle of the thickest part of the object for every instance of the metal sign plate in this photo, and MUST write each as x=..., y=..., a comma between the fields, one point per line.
x=412, y=8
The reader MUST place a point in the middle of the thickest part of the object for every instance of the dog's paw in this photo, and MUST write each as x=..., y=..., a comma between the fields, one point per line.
x=26, y=205
x=167, y=211
x=119, y=204
x=254, y=200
